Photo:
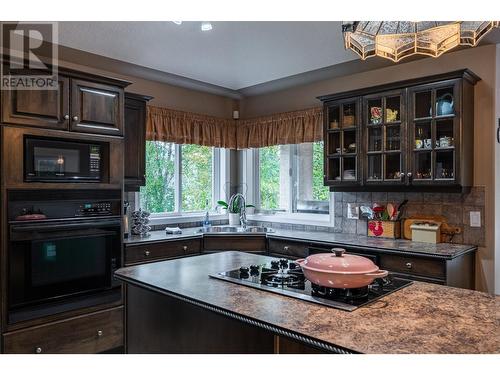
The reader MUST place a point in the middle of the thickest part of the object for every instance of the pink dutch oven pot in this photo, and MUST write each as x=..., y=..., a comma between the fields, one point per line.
x=340, y=270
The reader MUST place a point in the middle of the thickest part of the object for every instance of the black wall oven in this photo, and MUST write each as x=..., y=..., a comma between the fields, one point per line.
x=62, y=263
x=60, y=160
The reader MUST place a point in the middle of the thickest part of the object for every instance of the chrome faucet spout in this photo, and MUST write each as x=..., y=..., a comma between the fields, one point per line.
x=240, y=199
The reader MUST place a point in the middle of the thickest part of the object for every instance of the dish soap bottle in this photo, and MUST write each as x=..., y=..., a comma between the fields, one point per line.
x=206, y=221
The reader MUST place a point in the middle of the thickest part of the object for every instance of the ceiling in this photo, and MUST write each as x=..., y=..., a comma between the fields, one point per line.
x=233, y=55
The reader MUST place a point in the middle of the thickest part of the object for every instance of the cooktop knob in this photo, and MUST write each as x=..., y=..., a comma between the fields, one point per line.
x=254, y=267
x=275, y=264
x=244, y=269
x=283, y=263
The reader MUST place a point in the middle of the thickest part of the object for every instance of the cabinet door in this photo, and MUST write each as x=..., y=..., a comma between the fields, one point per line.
x=96, y=108
x=435, y=133
x=342, y=146
x=42, y=108
x=135, y=144
x=384, y=129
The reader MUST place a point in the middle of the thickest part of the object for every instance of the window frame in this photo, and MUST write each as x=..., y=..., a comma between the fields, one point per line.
x=220, y=172
x=251, y=172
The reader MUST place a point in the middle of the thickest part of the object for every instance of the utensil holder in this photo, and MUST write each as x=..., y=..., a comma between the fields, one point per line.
x=384, y=228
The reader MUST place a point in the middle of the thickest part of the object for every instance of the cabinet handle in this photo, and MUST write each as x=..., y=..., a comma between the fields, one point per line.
x=66, y=117
x=286, y=248
x=410, y=177
x=184, y=248
x=409, y=265
x=99, y=333
x=402, y=176
x=146, y=253
x=75, y=118
x=38, y=350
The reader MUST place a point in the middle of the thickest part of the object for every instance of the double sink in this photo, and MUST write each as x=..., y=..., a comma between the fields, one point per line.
x=228, y=229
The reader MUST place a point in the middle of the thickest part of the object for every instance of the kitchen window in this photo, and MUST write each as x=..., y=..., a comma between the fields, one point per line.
x=288, y=179
x=181, y=178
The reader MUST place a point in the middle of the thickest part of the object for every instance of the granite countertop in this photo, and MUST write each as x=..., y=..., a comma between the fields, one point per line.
x=421, y=318
x=444, y=250
x=160, y=236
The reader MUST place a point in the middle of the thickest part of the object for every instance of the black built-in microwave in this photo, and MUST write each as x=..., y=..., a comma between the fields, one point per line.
x=59, y=160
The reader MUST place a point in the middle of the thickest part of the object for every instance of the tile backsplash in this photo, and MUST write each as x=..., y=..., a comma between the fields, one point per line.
x=454, y=206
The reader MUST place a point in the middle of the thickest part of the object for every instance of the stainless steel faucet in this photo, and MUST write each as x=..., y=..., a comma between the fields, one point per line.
x=242, y=206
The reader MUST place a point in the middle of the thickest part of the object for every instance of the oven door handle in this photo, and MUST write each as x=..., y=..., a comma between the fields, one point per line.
x=55, y=226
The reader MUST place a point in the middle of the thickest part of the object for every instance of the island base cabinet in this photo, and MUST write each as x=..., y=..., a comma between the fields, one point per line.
x=91, y=333
x=159, y=324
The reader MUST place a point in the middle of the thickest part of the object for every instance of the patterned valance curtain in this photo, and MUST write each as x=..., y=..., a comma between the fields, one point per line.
x=281, y=129
x=169, y=125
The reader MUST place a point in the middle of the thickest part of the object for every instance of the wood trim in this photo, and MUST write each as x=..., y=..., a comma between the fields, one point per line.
x=463, y=73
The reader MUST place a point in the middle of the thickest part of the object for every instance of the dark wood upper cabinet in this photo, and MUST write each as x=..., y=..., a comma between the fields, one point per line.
x=384, y=135
x=135, y=141
x=343, y=134
x=83, y=102
x=96, y=108
x=41, y=108
x=411, y=135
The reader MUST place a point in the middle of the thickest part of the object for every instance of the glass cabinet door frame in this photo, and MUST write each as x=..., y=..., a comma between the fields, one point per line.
x=330, y=180
x=367, y=125
x=434, y=119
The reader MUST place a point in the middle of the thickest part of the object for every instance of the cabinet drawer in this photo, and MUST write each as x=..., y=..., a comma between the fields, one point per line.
x=414, y=266
x=237, y=243
x=161, y=250
x=92, y=333
x=287, y=248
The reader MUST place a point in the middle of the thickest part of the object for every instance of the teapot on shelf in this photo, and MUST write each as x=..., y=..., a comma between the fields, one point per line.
x=444, y=105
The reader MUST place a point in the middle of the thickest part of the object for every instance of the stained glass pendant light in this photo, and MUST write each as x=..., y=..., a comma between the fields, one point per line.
x=396, y=40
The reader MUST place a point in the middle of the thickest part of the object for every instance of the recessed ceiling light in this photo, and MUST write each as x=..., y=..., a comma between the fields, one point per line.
x=177, y=22
x=206, y=26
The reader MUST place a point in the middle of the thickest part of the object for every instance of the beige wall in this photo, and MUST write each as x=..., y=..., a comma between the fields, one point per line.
x=481, y=60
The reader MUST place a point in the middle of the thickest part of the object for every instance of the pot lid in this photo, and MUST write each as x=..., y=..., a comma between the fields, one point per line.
x=339, y=262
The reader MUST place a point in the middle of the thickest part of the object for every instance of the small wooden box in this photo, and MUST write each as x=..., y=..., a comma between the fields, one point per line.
x=385, y=229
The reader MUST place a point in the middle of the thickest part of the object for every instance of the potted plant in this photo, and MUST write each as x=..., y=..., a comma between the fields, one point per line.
x=234, y=211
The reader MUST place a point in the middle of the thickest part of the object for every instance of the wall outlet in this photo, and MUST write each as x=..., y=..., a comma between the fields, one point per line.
x=352, y=211
x=475, y=219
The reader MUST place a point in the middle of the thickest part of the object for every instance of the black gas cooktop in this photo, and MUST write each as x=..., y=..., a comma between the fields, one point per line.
x=283, y=276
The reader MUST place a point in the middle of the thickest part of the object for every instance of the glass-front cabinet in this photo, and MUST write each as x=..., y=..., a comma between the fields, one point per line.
x=342, y=134
x=405, y=136
x=434, y=132
x=384, y=134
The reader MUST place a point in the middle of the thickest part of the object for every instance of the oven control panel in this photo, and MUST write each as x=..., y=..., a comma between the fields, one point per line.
x=94, y=208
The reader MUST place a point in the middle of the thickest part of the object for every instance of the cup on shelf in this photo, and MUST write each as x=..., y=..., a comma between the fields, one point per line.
x=428, y=143
x=419, y=143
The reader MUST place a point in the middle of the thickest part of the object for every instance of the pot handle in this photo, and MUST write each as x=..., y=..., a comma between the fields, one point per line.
x=299, y=261
x=377, y=274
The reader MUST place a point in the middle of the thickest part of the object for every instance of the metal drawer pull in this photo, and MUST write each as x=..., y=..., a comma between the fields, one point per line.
x=146, y=253
x=184, y=248
x=75, y=118
x=286, y=248
x=38, y=350
x=99, y=333
x=66, y=117
x=409, y=265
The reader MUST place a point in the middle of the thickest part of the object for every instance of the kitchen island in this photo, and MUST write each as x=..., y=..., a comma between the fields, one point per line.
x=175, y=307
